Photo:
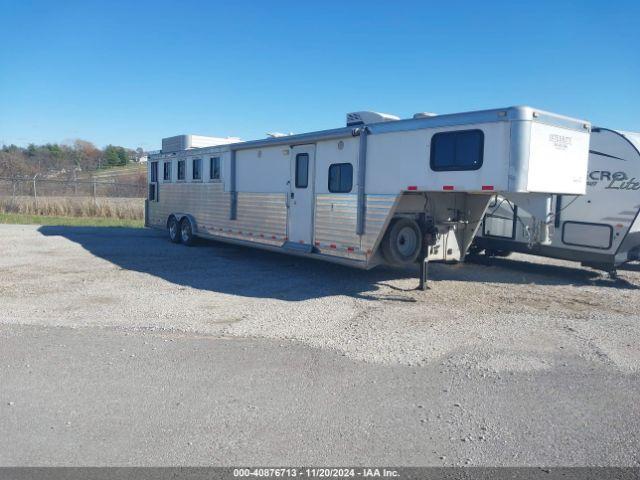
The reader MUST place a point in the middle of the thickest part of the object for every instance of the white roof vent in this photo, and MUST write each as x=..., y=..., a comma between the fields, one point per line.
x=186, y=142
x=278, y=134
x=424, y=115
x=363, y=118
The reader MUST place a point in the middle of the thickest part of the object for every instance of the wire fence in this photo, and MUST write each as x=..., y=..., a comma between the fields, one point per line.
x=95, y=197
x=36, y=187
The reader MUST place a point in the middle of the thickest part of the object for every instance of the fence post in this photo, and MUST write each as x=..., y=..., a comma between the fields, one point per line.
x=35, y=195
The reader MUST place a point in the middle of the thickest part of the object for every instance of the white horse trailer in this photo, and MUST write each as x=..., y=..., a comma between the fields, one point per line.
x=376, y=191
x=600, y=229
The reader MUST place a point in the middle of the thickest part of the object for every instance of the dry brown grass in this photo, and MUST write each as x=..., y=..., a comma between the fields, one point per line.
x=105, y=207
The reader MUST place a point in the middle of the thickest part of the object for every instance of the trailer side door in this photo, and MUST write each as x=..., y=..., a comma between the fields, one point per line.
x=301, y=194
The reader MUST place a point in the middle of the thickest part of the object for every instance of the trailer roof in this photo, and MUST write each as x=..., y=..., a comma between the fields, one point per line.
x=633, y=137
x=481, y=116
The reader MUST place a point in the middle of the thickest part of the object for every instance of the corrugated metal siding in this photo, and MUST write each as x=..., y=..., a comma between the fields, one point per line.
x=262, y=217
x=336, y=219
x=262, y=214
x=377, y=212
x=335, y=224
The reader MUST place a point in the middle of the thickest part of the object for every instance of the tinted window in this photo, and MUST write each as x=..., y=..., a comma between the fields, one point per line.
x=461, y=150
x=214, y=168
x=196, y=172
x=154, y=172
x=180, y=169
x=340, y=177
x=302, y=170
x=167, y=172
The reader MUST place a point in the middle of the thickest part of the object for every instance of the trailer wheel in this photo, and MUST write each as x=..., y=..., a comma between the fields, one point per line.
x=403, y=242
x=174, y=229
x=186, y=232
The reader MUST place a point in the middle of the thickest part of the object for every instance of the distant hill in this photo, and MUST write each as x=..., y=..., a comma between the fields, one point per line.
x=81, y=159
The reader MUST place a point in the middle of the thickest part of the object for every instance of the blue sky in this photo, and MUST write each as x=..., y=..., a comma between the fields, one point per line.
x=130, y=73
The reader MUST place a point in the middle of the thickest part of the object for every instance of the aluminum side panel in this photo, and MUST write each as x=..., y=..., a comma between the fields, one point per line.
x=379, y=209
x=335, y=225
x=261, y=217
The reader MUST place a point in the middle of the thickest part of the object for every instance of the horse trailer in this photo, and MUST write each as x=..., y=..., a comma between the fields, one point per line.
x=600, y=229
x=379, y=190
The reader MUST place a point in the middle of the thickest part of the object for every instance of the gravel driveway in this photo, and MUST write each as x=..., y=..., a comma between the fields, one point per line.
x=541, y=339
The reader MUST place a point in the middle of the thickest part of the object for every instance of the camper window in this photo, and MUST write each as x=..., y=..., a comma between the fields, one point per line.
x=214, y=168
x=302, y=170
x=196, y=171
x=340, y=177
x=167, y=172
x=460, y=150
x=152, y=192
x=154, y=172
x=180, y=169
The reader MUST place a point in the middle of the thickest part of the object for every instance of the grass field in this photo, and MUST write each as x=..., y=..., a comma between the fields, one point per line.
x=25, y=219
x=74, y=206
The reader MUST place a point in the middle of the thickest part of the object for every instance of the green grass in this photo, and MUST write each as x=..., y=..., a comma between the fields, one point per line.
x=24, y=219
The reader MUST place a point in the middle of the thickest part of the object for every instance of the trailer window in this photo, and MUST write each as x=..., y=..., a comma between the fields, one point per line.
x=302, y=170
x=180, y=169
x=166, y=174
x=154, y=172
x=340, y=177
x=459, y=150
x=214, y=168
x=196, y=171
x=153, y=179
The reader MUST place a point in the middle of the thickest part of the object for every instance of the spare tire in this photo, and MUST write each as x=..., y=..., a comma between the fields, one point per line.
x=403, y=242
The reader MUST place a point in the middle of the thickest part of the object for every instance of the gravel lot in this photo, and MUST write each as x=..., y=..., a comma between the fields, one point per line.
x=545, y=353
x=513, y=316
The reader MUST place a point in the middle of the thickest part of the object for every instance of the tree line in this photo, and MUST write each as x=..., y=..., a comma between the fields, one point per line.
x=65, y=160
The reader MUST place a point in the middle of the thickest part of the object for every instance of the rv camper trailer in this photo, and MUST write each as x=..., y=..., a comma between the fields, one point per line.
x=375, y=191
x=600, y=229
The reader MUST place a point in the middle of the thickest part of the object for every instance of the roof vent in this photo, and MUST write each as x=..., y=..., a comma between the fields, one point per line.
x=363, y=118
x=186, y=142
x=424, y=115
x=278, y=134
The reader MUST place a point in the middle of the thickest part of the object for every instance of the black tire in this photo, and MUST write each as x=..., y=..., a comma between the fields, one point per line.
x=403, y=242
x=186, y=232
x=174, y=230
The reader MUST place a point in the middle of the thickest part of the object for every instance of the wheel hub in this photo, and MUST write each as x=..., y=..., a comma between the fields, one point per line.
x=407, y=241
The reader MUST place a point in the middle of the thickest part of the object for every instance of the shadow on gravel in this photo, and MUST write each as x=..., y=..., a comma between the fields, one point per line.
x=250, y=272
x=578, y=274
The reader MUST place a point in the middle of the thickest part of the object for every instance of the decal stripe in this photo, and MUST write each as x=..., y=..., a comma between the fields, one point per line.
x=606, y=155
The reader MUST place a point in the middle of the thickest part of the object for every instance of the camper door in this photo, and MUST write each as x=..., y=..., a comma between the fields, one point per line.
x=301, y=194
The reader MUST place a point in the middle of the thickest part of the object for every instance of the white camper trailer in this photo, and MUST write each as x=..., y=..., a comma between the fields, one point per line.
x=375, y=191
x=600, y=229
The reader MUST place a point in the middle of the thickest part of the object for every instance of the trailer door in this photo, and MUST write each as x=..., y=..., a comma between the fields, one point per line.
x=301, y=194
